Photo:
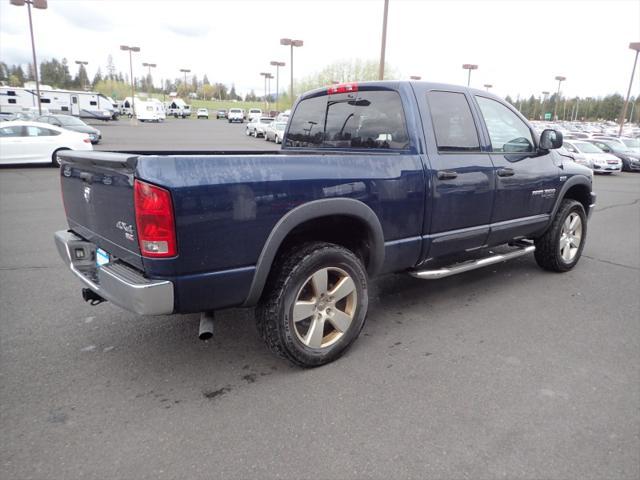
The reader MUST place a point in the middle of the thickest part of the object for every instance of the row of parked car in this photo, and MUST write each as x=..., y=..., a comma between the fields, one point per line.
x=269, y=128
x=597, y=145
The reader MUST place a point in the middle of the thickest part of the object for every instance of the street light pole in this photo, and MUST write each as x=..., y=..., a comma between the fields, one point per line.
x=469, y=67
x=185, y=71
x=292, y=43
x=415, y=77
x=633, y=46
x=149, y=67
x=265, y=75
x=544, y=99
x=130, y=50
x=40, y=5
x=277, y=65
x=488, y=86
x=383, y=47
x=560, y=79
x=81, y=63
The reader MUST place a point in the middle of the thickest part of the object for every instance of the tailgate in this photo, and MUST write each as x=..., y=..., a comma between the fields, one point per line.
x=97, y=192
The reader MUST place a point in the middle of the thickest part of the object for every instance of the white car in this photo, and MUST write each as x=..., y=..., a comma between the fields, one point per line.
x=275, y=131
x=254, y=113
x=202, y=113
x=257, y=126
x=34, y=142
x=235, y=115
x=284, y=116
x=601, y=162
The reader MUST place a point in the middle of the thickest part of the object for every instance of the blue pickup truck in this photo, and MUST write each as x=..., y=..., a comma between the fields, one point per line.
x=374, y=177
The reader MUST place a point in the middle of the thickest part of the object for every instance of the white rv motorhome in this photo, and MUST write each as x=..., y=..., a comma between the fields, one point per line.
x=76, y=103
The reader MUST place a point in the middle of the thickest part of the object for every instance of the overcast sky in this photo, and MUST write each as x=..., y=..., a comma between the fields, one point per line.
x=520, y=46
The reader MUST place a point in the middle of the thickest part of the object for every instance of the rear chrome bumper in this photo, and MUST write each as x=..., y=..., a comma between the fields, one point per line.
x=115, y=282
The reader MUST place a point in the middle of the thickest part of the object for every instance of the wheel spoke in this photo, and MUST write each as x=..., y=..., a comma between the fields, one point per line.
x=340, y=320
x=303, y=309
x=566, y=252
x=342, y=289
x=320, y=281
x=314, y=336
x=574, y=223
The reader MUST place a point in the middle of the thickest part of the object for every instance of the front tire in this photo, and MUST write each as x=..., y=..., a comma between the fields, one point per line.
x=560, y=248
x=55, y=162
x=316, y=306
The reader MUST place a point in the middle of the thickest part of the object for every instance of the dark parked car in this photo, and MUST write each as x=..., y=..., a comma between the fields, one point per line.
x=222, y=113
x=427, y=179
x=630, y=159
x=72, y=123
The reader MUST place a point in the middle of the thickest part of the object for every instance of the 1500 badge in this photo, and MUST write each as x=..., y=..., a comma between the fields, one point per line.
x=127, y=228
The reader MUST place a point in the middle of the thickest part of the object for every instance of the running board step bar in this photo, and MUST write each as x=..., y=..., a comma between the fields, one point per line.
x=523, y=249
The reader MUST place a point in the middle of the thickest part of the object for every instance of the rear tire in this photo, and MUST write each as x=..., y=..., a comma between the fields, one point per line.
x=560, y=248
x=316, y=305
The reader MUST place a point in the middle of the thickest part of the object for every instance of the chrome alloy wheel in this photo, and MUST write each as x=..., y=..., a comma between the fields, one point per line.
x=325, y=307
x=570, y=237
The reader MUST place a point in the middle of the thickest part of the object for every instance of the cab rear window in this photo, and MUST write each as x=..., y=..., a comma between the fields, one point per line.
x=369, y=119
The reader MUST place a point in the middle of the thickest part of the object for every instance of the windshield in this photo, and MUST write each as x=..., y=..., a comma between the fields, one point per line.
x=585, y=147
x=235, y=110
x=266, y=120
x=280, y=126
x=253, y=110
x=70, y=121
x=633, y=143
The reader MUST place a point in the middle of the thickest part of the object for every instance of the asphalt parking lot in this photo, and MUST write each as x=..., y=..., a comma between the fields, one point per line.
x=506, y=372
x=177, y=134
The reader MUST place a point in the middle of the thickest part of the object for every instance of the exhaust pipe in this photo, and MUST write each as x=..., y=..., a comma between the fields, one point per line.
x=92, y=297
x=206, y=326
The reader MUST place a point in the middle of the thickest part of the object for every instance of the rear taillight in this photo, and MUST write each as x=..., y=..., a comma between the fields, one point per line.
x=154, y=219
x=86, y=140
x=343, y=88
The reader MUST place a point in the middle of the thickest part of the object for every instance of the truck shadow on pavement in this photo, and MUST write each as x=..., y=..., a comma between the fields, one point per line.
x=149, y=352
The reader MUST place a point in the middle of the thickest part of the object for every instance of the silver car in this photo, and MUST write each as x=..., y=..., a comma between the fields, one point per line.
x=601, y=162
x=275, y=131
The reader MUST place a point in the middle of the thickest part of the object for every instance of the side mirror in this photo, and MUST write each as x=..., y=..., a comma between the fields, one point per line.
x=550, y=139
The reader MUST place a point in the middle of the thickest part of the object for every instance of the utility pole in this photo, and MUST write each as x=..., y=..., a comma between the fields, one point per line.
x=633, y=46
x=383, y=47
x=292, y=43
x=81, y=63
x=560, y=79
x=40, y=5
x=469, y=67
x=133, y=83
x=277, y=65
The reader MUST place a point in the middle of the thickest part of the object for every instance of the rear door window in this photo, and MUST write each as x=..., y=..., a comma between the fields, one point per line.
x=307, y=125
x=366, y=119
x=453, y=123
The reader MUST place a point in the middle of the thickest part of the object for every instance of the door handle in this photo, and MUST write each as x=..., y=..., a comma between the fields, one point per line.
x=447, y=175
x=506, y=172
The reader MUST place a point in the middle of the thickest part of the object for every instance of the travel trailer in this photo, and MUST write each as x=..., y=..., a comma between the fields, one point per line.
x=70, y=102
x=178, y=108
x=149, y=110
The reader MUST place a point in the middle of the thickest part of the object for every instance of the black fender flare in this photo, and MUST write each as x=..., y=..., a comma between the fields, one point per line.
x=571, y=182
x=308, y=211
